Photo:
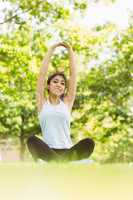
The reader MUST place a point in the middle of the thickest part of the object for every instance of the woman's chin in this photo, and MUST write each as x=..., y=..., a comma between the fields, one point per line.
x=57, y=94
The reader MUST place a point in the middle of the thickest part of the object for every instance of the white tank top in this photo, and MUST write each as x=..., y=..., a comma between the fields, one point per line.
x=55, y=125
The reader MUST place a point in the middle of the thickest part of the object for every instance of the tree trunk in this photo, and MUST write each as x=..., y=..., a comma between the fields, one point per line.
x=22, y=147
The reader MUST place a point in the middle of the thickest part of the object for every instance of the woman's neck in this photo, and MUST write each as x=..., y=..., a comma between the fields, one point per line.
x=54, y=99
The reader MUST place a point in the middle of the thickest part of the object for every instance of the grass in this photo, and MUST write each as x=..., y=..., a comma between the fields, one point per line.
x=31, y=181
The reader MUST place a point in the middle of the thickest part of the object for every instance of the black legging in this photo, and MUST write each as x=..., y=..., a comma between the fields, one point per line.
x=39, y=149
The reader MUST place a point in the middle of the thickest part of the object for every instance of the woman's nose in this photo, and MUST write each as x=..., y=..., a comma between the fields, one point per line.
x=58, y=85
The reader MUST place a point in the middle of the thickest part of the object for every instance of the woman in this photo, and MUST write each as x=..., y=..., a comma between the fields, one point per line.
x=54, y=112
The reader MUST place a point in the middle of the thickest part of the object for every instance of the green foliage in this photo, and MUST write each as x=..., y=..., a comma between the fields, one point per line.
x=103, y=96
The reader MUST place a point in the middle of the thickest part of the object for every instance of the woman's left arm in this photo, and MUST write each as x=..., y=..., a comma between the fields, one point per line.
x=71, y=91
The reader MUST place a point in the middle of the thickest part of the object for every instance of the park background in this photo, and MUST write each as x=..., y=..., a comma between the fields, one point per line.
x=101, y=34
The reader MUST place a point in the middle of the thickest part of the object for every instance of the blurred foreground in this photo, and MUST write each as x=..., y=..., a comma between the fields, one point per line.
x=60, y=181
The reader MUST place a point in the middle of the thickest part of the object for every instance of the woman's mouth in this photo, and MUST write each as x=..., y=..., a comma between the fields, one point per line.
x=57, y=89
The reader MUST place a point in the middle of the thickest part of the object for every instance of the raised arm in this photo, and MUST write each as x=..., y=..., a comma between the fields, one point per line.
x=71, y=92
x=41, y=82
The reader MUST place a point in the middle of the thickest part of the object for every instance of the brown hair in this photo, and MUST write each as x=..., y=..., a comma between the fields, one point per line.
x=58, y=74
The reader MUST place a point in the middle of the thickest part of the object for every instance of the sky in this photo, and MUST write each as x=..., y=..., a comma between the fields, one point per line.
x=118, y=13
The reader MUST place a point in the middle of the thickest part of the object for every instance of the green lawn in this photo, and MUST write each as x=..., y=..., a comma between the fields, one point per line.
x=30, y=181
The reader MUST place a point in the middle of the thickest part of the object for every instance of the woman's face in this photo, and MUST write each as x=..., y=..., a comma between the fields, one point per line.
x=57, y=85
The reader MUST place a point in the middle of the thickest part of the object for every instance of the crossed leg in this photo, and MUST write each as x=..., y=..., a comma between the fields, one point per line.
x=39, y=149
x=83, y=149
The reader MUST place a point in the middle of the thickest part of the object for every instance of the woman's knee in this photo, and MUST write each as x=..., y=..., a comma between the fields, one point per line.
x=88, y=142
x=31, y=140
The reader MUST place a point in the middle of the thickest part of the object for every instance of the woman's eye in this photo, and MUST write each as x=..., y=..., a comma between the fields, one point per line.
x=61, y=83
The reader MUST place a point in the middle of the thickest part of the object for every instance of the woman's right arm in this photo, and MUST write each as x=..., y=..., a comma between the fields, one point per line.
x=41, y=82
